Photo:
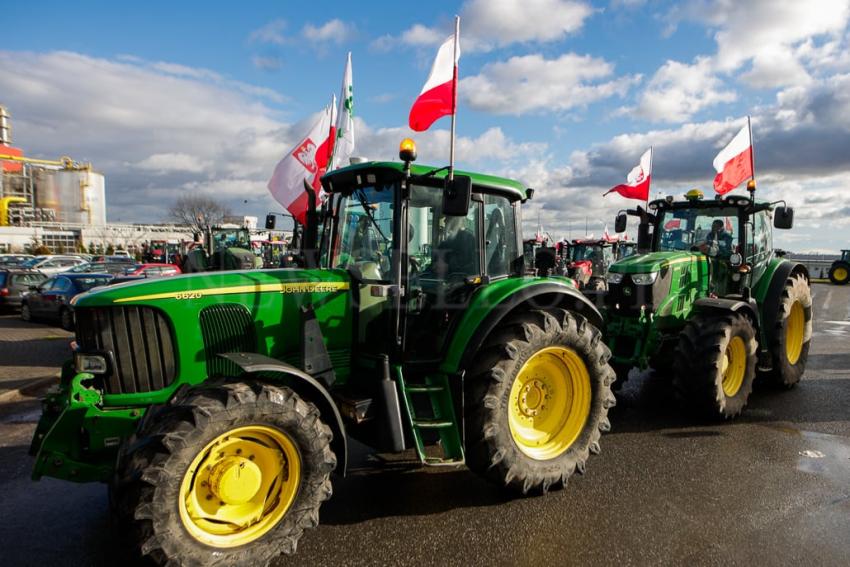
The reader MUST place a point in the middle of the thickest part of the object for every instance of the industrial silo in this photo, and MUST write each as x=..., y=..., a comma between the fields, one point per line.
x=76, y=195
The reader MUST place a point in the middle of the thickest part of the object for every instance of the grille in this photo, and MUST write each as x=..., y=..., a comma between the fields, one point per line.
x=226, y=327
x=140, y=340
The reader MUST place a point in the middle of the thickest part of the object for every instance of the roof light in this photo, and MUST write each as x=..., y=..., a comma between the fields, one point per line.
x=694, y=195
x=407, y=150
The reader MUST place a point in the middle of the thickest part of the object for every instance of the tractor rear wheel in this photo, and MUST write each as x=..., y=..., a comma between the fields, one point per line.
x=715, y=364
x=538, y=399
x=792, y=333
x=227, y=474
x=839, y=273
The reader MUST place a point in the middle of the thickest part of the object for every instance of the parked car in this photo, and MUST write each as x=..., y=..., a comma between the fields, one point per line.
x=100, y=268
x=153, y=269
x=52, y=264
x=114, y=258
x=14, y=282
x=122, y=253
x=7, y=260
x=52, y=298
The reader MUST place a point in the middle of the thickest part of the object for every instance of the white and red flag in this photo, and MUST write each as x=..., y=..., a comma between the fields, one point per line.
x=305, y=164
x=638, y=180
x=734, y=163
x=439, y=95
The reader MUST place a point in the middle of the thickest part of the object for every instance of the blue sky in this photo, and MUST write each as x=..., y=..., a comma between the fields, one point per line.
x=564, y=94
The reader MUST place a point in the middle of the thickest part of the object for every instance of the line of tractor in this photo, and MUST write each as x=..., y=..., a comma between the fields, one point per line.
x=217, y=405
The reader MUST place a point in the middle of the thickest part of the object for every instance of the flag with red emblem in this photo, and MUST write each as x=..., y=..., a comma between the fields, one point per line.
x=305, y=164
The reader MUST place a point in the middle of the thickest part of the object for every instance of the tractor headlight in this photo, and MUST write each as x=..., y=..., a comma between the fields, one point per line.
x=90, y=363
x=614, y=277
x=645, y=279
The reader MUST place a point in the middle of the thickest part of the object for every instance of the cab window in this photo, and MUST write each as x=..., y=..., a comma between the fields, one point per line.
x=365, y=229
x=500, y=239
x=713, y=231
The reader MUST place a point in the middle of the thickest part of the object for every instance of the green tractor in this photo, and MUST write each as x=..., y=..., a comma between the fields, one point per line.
x=217, y=405
x=709, y=299
x=839, y=272
x=225, y=247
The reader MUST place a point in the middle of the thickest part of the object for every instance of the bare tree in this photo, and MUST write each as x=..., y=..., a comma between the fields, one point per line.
x=198, y=211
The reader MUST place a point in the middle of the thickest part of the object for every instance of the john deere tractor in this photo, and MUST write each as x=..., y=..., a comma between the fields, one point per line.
x=217, y=405
x=839, y=271
x=709, y=300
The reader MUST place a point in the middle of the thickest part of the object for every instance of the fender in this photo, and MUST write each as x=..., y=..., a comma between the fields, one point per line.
x=720, y=304
x=486, y=312
x=305, y=386
x=771, y=296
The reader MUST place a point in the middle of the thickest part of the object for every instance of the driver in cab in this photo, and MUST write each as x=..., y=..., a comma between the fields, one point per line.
x=718, y=241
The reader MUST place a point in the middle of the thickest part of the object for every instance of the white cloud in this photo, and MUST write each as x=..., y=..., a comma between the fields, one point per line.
x=267, y=62
x=335, y=31
x=491, y=24
x=532, y=83
x=765, y=36
x=677, y=91
x=170, y=162
x=272, y=33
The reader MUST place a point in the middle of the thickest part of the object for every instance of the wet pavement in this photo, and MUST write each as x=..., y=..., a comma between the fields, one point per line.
x=770, y=488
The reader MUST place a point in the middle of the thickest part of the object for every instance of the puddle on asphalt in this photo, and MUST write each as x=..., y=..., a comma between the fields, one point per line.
x=30, y=416
x=825, y=455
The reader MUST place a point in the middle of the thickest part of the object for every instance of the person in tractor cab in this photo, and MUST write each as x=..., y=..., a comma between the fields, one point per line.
x=718, y=241
x=457, y=253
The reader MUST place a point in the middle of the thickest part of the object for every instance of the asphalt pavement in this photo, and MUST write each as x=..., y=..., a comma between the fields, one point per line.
x=770, y=488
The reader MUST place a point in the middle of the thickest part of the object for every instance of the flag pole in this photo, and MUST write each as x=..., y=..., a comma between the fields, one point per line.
x=649, y=185
x=751, y=187
x=454, y=101
x=332, y=133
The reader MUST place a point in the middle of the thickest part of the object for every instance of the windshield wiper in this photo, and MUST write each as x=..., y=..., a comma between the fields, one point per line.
x=365, y=204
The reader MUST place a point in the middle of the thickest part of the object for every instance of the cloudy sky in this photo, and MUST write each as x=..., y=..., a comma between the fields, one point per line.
x=205, y=97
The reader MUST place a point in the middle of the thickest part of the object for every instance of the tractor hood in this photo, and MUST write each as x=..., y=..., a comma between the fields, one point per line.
x=217, y=287
x=654, y=262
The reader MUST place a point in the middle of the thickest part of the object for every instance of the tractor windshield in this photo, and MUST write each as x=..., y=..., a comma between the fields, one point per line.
x=366, y=232
x=713, y=231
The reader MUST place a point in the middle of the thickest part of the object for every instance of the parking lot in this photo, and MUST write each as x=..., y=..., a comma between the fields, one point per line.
x=770, y=488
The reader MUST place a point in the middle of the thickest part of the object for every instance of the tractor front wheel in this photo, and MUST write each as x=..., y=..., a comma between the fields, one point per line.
x=715, y=364
x=791, y=333
x=839, y=273
x=538, y=399
x=227, y=474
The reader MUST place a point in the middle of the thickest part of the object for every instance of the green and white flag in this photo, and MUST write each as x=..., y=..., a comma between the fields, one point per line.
x=344, y=147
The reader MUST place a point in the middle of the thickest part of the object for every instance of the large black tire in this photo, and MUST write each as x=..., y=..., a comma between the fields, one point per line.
x=708, y=346
x=491, y=447
x=788, y=350
x=26, y=314
x=621, y=371
x=839, y=273
x=146, y=491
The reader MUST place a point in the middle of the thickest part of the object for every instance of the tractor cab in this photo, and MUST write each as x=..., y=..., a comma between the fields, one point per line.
x=418, y=246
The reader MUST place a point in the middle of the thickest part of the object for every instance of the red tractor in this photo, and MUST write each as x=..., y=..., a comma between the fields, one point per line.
x=589, y=261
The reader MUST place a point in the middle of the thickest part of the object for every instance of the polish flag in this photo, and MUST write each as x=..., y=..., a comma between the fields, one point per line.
x=638, y=180
x=734, y=163
x=673, y=224
x=439, y=95
x=304, y=165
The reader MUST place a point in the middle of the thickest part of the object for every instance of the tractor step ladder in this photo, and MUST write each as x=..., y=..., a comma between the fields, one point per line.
x=442, y=418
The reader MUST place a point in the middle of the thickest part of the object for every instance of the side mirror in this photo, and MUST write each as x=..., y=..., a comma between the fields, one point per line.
x=783, y=217
x=457, y=195
x=620, y=222
x=270, y=222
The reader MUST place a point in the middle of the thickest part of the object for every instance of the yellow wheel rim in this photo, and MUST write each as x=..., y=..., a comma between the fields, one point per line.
x=549, y=402
x=840, y=274
x=240, y=486
x=734, y=366
x=795, y=328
